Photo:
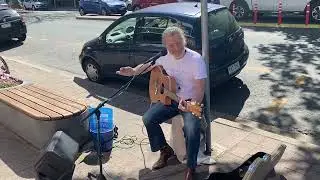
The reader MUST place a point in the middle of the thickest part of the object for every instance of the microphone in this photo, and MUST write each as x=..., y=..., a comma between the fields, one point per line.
x=154, y=58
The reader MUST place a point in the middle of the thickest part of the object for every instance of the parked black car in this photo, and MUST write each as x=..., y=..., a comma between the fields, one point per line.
x=135, y=37
x=11, y=25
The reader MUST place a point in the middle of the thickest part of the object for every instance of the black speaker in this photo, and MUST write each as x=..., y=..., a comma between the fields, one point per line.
x=56, y=161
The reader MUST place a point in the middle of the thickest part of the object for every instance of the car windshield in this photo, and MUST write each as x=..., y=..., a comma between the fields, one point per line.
x=123, y=26
x=221, y=23
x=3, y=2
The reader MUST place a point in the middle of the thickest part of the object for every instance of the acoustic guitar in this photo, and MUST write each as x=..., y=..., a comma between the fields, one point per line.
x=162, y=87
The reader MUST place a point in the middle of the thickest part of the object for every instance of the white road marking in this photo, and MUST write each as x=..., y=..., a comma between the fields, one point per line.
x=16, y=59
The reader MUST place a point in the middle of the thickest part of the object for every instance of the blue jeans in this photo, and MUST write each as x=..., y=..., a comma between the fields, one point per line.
x=159, y=113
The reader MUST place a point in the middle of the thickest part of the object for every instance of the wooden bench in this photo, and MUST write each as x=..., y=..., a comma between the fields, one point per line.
x=35, y=114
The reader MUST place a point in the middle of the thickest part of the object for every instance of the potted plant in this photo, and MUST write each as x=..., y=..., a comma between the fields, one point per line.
x=6, y=80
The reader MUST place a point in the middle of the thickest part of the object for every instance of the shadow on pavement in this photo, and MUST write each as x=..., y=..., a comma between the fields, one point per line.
x=294, y=75
x=16, y=154
x=172, y=172
x=134, y=100
x=227, y=100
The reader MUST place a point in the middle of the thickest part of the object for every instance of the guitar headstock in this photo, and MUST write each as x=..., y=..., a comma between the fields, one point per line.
x=195, y=108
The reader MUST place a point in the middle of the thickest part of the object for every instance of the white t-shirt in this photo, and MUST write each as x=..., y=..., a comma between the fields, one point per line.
x=185, y=71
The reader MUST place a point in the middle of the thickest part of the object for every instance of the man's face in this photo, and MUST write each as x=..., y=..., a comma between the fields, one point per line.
x=174, y=45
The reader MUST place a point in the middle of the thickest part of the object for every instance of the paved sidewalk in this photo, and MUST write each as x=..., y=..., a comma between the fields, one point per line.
x=232, y=143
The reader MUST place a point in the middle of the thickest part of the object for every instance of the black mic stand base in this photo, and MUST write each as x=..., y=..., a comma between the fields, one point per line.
x=97, y=177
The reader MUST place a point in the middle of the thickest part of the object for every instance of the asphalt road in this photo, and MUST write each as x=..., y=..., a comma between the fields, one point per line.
x=279, y=86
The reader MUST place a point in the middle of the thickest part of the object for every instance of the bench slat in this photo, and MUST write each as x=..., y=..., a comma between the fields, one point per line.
x=22, y=107
x=41, y=102
x=61, y=99
x=53, y=115
x=51, y=101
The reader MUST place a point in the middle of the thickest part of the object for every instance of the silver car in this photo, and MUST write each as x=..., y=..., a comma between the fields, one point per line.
x=35, y=4
x=128, y=4
x=245, y=7
x=3, y=3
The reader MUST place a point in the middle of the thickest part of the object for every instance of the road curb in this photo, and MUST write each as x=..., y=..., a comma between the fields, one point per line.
x=103, y=18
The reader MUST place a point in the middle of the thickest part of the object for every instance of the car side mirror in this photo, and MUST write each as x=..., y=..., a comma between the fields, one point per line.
x=101, y=40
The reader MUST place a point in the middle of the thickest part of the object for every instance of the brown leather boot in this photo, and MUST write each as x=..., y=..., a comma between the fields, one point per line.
x=165, y=154
x=189, y=174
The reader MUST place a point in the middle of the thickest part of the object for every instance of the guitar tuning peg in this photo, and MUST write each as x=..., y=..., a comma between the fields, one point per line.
x=201, y=105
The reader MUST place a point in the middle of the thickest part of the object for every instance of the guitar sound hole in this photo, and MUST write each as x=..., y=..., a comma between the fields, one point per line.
x=161, y=89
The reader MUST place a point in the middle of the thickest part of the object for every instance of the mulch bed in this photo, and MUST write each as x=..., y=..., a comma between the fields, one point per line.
x=6, y=80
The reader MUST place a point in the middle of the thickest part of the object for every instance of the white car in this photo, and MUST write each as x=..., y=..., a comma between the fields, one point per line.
x=128, y=4
x=245, y=7
x=3, y=3
x=35, y=4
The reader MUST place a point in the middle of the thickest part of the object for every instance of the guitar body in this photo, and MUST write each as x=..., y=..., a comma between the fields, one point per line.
x=159, y=81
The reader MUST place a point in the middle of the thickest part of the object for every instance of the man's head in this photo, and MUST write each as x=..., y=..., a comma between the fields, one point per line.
x=174, y=40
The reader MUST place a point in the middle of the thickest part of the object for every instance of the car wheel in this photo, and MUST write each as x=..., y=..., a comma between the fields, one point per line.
x=81, y=12
x=33, y=8
x=315, y=12
x=22, y=37
x=241, y=10
x=93, y=70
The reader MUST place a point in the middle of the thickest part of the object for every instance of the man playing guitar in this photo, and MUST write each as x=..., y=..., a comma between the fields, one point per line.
x=189, y=70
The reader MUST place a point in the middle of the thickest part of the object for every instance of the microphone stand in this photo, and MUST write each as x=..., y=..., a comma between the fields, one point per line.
x=97, y=112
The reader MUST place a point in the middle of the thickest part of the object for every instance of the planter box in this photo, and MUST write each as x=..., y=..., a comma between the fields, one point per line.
x=36, y=114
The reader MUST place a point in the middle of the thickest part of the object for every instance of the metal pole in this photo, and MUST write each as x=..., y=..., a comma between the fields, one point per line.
x=205, y=55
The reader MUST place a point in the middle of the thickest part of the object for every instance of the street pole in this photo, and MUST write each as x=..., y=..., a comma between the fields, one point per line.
x=205, y=55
